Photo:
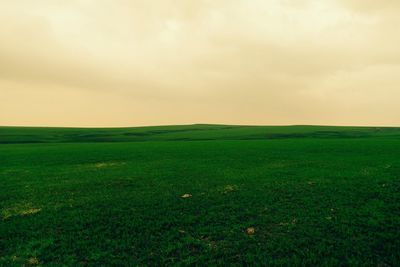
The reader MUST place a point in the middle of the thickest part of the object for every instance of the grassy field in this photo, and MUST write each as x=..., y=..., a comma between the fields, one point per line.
x=271, y=196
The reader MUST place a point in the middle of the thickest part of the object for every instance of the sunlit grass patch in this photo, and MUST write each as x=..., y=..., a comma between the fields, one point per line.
x=33, y=261
x=228, y=189
x=29, y=253
x=108, y=164
x=21, y=209
x=100, y=165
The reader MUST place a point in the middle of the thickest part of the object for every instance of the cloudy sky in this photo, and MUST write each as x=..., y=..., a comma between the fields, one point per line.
x=150, y=62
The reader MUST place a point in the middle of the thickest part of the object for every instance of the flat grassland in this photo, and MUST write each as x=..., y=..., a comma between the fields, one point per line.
x=255, y=195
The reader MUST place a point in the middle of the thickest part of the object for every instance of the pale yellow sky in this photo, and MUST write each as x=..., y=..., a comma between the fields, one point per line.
x=143, y=62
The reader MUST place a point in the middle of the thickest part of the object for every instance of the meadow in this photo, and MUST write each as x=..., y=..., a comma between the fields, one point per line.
x=208, y=195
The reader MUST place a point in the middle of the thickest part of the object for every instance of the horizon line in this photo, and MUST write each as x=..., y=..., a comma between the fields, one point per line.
x=199, y=124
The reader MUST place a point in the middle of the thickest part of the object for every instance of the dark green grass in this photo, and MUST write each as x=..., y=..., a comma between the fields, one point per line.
x=316, y=196
x=186, y=133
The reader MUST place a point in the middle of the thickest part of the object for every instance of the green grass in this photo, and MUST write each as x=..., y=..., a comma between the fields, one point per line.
x=315, y=195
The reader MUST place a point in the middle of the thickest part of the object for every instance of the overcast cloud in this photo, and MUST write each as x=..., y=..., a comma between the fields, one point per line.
x=127, y=63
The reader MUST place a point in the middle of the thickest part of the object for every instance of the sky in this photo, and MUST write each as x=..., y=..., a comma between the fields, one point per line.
x=112, y=63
